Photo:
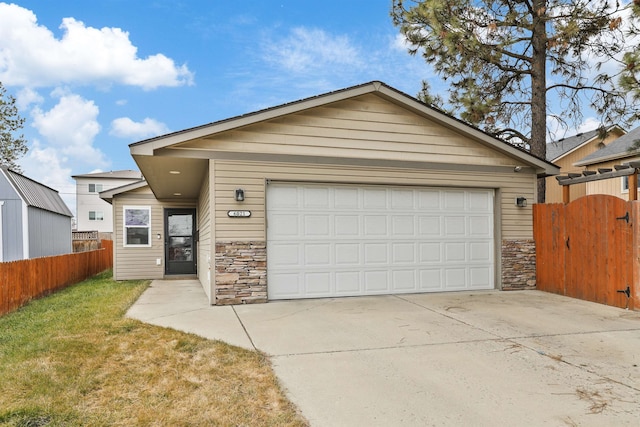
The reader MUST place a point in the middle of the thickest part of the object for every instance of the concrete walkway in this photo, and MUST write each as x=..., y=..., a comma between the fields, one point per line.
x=486, y=358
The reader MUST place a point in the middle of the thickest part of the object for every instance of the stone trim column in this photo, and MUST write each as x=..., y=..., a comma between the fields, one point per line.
x=518, y=264
x=241, y=272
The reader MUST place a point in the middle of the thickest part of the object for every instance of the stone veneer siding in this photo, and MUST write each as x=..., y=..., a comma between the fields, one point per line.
x=518, y=264
x=241, y=272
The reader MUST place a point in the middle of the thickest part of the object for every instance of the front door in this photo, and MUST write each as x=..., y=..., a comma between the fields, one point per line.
x=180, y=242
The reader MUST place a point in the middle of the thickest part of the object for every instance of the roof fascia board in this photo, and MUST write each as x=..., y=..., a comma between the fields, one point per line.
x=586, y=142
x=608, y=158
x=108, y=195
x=573, y=149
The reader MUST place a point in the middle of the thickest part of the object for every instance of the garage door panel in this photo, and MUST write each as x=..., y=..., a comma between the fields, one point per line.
x=480, y=251
x=375, y=225
x=327, y=240
x=376, y=282
x=374, y=198
x=402, y=225
x=404, y=280
x=347, y=254
x=429, y=226
x=403, y=252
x=348, y=283
x=375, y=253
x=284, y=255
x=430, y=280
x=318, y=254
x=430, y=252
x=346, y=226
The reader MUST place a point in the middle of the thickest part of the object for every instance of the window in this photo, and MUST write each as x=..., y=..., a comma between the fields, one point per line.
x=95, y=188
x=137, y=226
x=625, y=184
x=96, y=216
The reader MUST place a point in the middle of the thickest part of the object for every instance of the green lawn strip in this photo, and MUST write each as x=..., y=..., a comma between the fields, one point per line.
x=73, y=359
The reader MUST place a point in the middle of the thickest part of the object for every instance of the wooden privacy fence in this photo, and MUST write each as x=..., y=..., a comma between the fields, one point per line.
x=588, y=249
x=22, y=281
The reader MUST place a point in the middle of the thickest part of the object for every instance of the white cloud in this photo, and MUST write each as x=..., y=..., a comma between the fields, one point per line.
x=307, y=48
x=124, y=127
x=71, y=126
x=31, y=55
x=26, y=97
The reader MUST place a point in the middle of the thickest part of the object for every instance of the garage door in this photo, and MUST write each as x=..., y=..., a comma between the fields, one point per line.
x=344, y=240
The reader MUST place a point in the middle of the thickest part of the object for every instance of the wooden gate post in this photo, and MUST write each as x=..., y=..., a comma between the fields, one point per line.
x=633, y=186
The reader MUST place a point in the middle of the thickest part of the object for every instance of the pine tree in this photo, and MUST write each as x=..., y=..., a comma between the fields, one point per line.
x=11, y=147
x=505, y=59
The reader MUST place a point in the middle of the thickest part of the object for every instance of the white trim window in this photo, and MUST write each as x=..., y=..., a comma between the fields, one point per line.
x=96, y=216
x=625, y=184
x=95, y=188
x=136, y=226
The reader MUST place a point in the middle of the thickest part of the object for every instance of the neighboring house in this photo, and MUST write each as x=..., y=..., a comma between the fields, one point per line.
x=566, y=152
x=362, y=191
x=34, y=220
x=93, y=213
x=620, y=151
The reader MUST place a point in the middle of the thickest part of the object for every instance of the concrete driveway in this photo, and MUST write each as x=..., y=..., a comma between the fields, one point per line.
x=486, y=358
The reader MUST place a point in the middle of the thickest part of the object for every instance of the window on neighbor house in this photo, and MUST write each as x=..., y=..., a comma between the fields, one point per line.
x=96, y=216
x=137, y=226
x=625, y=184
x=95, y=188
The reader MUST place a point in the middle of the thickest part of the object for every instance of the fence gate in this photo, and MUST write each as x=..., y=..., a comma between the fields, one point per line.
x=588, y=249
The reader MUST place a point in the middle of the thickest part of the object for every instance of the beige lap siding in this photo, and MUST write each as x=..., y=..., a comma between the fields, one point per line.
x=140, y=262
x=513, y=222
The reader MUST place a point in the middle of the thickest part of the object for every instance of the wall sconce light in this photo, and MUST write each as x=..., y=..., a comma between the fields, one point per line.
x=158, y=236
x=517, y=168
x=521, y=202
x=239, y=196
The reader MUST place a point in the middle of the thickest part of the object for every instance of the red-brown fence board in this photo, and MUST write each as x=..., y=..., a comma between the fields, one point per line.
x=586, y=249
x=22, y=281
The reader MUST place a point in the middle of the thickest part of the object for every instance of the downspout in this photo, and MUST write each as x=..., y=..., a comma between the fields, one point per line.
x=25, y=230
x=1, y=247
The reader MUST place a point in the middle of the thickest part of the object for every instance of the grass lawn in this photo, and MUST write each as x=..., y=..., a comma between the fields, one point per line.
x=72, y=359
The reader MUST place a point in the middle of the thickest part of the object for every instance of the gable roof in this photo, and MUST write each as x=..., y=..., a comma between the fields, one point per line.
x=107, y=195
x=156, y=156
x=617, y=149
x=36, y=194
x=121, y=174
x=562, y=147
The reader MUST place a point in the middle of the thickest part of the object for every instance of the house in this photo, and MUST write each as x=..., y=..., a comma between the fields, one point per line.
x=93, y=213
x=568, y=151
x=622, y=150
x=34, y=220
x=362, y=191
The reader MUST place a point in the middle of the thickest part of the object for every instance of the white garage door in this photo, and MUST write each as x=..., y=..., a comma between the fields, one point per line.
x=344, y=240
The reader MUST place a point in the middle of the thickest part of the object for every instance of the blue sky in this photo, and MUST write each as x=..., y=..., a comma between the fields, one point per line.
x=91, y=77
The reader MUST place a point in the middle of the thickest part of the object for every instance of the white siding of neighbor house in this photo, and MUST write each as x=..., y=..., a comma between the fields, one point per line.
x=140, y=262
x=86, y=202
x=514, y=222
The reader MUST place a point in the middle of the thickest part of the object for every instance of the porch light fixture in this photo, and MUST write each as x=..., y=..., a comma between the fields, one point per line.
x=521, y=202
x=174, y=172
x=239, y=196
x=517, y=168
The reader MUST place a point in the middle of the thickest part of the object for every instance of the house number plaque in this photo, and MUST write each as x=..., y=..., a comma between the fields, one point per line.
x=239, y=214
